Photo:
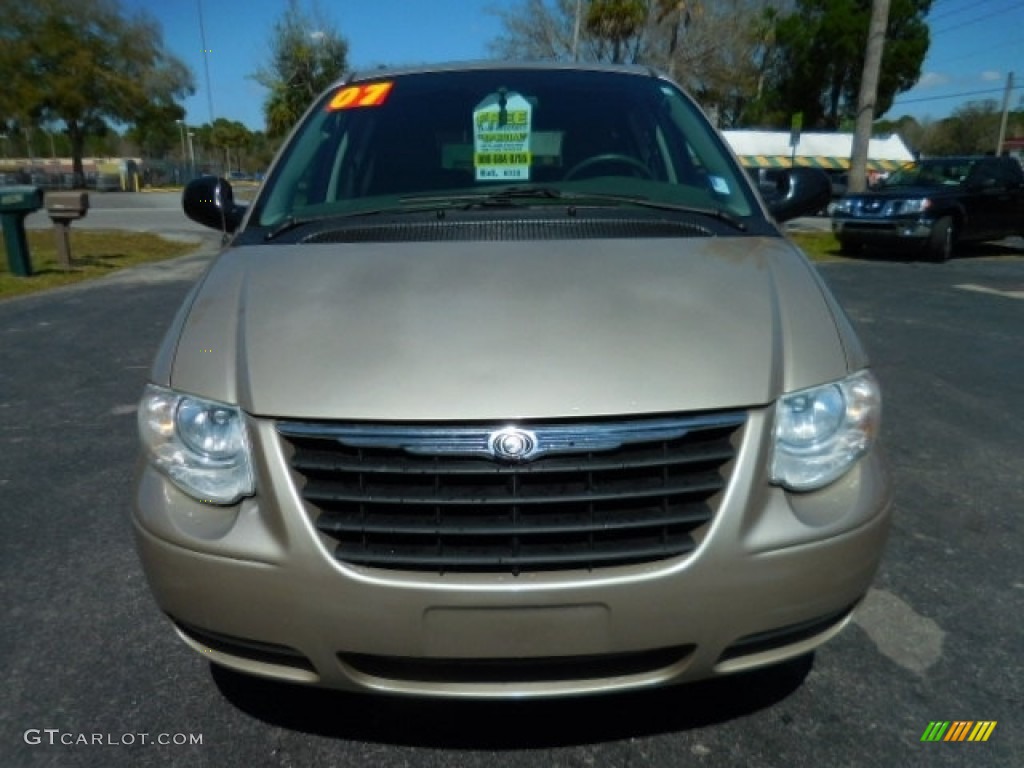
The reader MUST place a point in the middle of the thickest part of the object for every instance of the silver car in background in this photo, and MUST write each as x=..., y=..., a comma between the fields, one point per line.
x=507, y=384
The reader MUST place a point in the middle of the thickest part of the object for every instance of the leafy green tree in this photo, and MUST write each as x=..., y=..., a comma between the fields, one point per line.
x=307, y=55
x=820, y=57
x=261, y=152
x=202, y=144
x=230, y=135
x=84, y=65
x=908, y=128
x=158, y=134
x=616, y=23
x=971, y=129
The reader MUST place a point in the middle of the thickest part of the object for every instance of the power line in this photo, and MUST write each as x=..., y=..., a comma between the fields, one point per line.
x=961, y=95
x=977, y=19
x=933, y=17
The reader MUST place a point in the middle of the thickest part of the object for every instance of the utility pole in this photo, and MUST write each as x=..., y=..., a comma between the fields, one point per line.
x=1006, y=114
x=868, y=95
x=179, y=174
x=206, y=59
x=576, y=31
x=28, y=145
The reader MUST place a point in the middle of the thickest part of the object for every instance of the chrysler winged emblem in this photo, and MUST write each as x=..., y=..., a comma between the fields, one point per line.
x=512, y=444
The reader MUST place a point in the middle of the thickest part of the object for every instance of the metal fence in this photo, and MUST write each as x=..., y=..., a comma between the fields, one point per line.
x=101, y=182
x=131, y=176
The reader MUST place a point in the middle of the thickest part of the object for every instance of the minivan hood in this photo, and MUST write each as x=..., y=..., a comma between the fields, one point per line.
x=505, y=330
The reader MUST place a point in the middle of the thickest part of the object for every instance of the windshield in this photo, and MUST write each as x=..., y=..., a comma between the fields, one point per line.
x=930, y=173
x=380, y=144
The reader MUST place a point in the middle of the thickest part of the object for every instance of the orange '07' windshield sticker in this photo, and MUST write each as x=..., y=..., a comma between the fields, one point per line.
x=368, y=95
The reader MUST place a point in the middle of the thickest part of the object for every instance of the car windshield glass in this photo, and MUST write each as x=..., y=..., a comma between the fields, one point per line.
x=930, y=173
x=371, y=146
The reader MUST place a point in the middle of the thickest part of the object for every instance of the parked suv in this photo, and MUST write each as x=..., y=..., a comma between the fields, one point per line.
x=932, y=206
x=508, y=385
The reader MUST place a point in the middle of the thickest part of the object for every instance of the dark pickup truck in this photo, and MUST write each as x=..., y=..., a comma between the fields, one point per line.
x=933, y=205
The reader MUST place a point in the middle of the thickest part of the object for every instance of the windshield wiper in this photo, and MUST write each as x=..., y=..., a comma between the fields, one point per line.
x=501, y=197
x=644, y=202
x=291, y=222
x=512, y=195
x=286, y=224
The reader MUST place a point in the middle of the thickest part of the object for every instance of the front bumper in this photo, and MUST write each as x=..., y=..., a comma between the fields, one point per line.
x=254, y=587
x=882, y=232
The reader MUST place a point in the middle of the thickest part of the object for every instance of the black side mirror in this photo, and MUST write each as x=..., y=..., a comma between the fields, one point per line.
x=802, y=191
x=210, y=201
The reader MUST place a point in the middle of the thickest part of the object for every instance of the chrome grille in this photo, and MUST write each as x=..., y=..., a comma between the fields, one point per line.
x=431, y=498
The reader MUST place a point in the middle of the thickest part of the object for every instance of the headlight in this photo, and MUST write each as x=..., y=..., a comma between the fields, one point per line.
x=201, y=445
x=915, y=205
x=845, y=205
x=821, y=432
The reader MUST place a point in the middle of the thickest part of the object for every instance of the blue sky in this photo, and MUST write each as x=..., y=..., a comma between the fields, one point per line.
x=974, y=45
x=238, y=35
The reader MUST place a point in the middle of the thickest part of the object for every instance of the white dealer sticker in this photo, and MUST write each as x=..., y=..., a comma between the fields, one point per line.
x=501, y=138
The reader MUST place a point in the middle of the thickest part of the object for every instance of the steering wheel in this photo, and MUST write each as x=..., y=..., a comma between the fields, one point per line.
x=609, y=158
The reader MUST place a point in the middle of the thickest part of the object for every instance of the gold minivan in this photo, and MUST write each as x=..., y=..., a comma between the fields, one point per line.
x=508, y=384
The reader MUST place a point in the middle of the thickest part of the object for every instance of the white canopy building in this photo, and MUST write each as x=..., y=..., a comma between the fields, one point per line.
x=829, y=151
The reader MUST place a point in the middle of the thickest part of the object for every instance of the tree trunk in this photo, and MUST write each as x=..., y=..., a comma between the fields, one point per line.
x=77, y=138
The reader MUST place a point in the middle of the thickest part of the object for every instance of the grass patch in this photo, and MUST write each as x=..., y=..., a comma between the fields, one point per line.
x=819, y=246
x=93, y=254
x=823, y=246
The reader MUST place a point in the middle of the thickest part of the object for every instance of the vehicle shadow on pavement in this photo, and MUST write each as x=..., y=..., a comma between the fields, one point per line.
x=1007, y=249
x=529, y=724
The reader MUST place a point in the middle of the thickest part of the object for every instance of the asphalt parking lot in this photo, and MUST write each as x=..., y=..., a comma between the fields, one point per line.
x=87, y=656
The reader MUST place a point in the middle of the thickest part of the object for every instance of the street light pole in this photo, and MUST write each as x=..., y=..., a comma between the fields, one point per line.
x=181, y=167
x=181, y=130
x=192, y=156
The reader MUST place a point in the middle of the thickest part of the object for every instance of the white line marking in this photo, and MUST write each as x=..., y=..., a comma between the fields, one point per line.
x=986, y=289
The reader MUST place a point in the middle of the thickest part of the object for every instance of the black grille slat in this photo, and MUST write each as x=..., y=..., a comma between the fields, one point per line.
x=311, y=462
x=636, y=499
x=315, y=494
x=497, y=527
x=558, y=558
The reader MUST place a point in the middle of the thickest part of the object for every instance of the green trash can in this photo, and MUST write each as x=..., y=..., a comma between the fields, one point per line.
x=15, y=204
